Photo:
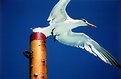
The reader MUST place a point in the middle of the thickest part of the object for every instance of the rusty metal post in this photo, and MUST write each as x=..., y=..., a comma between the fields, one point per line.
x=38, y=68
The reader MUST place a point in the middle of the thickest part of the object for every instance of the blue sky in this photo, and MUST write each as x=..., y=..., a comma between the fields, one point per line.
x=63, y=62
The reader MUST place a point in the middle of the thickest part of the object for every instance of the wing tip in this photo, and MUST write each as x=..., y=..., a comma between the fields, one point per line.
x=110, y=59
x=118, y=66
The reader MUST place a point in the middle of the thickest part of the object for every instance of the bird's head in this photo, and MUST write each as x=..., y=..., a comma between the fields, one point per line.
x=83, y=22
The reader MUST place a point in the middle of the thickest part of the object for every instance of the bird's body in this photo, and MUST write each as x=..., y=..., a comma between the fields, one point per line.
x=61, y=26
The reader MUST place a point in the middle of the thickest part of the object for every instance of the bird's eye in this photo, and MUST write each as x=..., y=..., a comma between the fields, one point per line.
x=84, y=20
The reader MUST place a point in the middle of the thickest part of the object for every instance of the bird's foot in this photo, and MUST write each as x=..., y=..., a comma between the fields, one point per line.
x=54, y=37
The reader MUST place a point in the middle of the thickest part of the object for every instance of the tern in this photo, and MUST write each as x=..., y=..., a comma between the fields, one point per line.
x=61, y=25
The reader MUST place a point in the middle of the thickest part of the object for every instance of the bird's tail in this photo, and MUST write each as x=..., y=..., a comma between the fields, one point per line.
x=99, y=51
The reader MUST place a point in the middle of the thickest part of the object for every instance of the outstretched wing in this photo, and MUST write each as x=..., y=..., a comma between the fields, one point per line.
x=58, y=13
x=81, y=40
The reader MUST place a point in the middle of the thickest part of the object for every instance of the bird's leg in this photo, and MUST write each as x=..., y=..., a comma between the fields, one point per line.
x=52, y=31
x=54, y=36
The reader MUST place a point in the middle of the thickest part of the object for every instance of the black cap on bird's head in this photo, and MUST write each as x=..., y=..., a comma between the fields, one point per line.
x=87, y=23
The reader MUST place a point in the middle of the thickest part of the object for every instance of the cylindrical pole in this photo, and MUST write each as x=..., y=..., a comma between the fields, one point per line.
x=38, y=68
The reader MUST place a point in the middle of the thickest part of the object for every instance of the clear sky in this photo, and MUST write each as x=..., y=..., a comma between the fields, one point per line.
x=63, y=62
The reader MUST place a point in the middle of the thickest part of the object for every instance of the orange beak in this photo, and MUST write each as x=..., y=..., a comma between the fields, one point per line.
x=91, y=25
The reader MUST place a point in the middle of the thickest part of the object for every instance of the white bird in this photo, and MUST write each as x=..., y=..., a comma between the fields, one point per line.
x=61, y=26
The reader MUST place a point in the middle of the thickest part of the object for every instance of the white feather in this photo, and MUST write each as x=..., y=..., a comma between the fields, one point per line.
x=58, y=13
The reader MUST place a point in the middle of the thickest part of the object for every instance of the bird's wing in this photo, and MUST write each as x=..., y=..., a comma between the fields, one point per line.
x=58, y=13
x=81, y=40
